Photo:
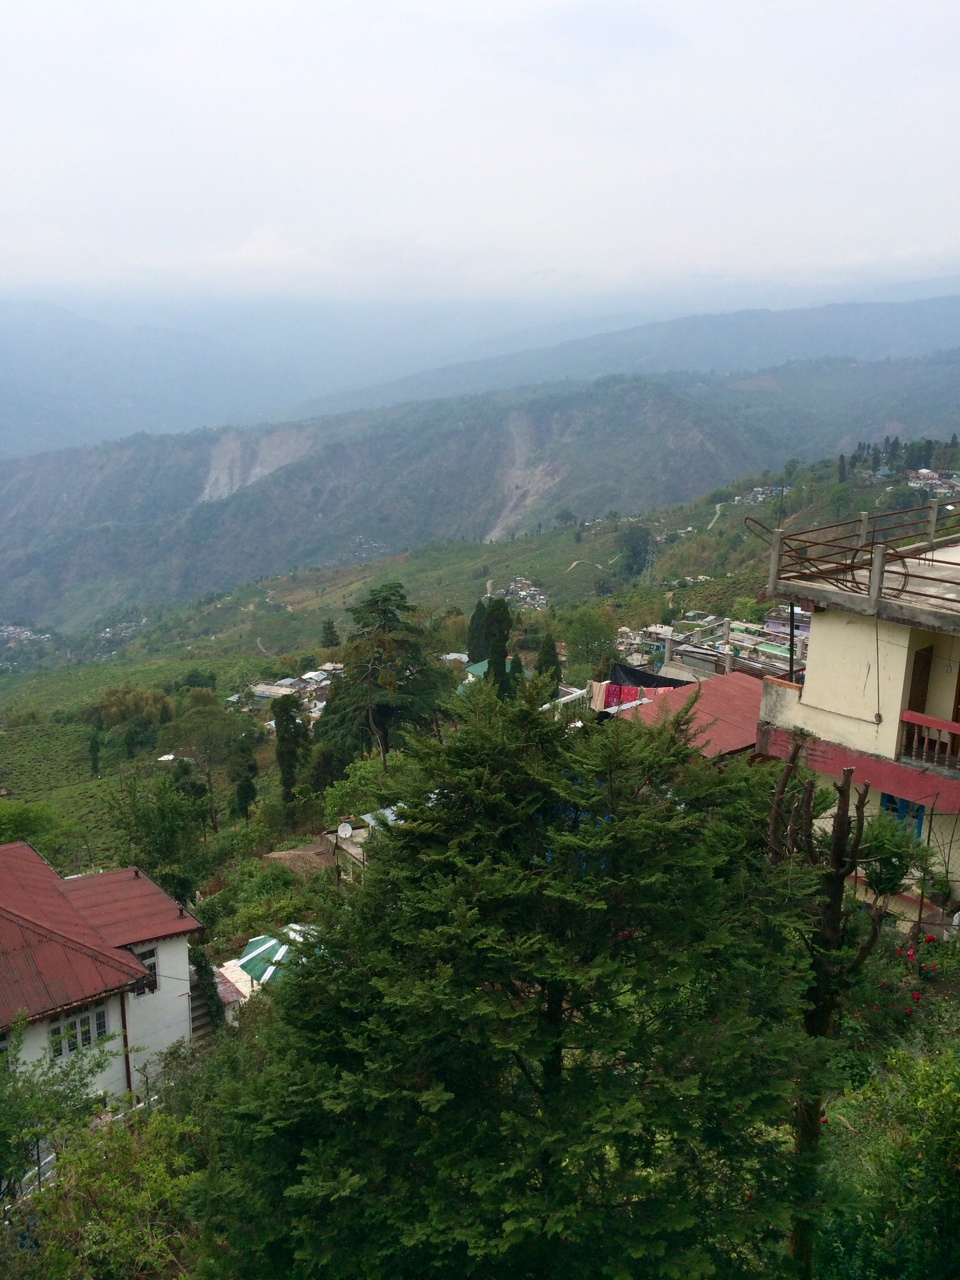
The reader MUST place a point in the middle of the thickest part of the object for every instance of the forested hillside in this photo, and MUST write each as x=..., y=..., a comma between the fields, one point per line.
x=152, y=519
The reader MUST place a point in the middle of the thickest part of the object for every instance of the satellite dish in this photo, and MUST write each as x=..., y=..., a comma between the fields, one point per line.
x=344, y=831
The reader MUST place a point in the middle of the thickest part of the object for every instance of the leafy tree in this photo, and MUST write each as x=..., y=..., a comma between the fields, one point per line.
x=117, y=1209
x=892, y=1152
x=20, y=820
x=498, y=623
x=292, y=741
x=590, y=636
x=161, y=828
x=38, y=1099
x=839, y=941
x=842, y=470
x=330, y=636
x=548, y=663
x=477, y=644
x=209, y=736
x=512, y=1052
x=634, y=544
x=565, y=516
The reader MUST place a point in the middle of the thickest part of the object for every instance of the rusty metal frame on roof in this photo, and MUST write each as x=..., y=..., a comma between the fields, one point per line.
x=894, y=564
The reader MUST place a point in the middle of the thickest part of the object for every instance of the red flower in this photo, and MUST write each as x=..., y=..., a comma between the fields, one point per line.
x=909, y=1013
x=824, y=1119
x=915, y=994
x=931, y=937
x=910, y=954
x=899, y=951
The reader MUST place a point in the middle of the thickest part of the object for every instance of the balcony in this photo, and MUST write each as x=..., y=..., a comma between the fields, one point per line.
x=903, y=566
x=930, y=741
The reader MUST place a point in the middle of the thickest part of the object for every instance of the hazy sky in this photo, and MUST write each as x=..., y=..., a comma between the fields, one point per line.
x=361, y=148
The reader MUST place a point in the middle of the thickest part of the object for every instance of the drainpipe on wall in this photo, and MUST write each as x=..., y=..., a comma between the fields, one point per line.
x=126, y=1042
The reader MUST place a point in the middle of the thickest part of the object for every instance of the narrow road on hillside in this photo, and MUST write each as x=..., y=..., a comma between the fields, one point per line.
x=715, y=518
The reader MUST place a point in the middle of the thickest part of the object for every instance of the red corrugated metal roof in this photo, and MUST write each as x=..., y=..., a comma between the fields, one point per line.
x=50, y=955
x=126, y=907
x=725, y=714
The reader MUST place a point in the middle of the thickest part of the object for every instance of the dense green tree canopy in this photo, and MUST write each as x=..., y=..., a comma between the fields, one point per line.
x=515, y=1051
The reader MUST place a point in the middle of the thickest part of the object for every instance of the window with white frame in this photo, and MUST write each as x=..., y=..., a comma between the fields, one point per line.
x=148, y=959
x=71, y=1032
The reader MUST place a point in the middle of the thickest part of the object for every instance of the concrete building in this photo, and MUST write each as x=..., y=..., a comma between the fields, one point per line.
x=89, y=958
x=881, y=692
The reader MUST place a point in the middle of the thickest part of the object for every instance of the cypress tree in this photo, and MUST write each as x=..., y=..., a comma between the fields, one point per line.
x=515, y=674
x=292, y=739
x=548, y=662
x=477, y=633
x=497, y=630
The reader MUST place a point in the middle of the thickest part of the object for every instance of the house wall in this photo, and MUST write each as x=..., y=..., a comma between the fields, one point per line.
x=156, y=1019
x=112, y=1079
x=842, y=692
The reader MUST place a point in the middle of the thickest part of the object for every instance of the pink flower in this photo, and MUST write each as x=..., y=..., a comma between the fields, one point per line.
x=910, y=954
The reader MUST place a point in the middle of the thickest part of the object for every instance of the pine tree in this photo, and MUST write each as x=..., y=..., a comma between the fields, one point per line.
x=330, y=637
x=389, y=681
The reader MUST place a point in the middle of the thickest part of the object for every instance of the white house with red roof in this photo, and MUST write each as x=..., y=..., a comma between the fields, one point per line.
x=90, y=957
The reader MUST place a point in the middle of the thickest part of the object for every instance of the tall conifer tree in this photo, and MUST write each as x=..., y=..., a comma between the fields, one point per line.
x=477, y=633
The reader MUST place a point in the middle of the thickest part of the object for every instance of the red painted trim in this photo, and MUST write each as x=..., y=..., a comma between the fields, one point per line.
x=929, y=722
x=914, y=782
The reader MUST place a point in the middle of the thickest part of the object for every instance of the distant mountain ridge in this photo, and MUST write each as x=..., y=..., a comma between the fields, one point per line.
x=66, y=380
x=733, y=342
x=166, y=518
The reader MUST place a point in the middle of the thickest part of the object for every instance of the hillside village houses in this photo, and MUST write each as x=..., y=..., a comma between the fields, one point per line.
x=90, y=957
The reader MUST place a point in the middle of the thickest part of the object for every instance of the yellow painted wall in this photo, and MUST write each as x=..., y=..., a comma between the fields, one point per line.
x=843, y=693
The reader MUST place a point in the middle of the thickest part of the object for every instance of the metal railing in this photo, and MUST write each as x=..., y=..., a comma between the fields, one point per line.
x=890, y=555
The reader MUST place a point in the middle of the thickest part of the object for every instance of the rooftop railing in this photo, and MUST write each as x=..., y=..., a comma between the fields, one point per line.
x=888, y=556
